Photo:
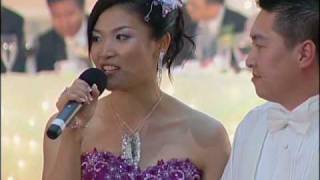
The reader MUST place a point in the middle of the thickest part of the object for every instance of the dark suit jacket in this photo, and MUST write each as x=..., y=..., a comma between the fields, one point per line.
x=232, y=23
x=236, y=20
x=238, y=23
x=12, y=23
x=231, y=19
x=51, y=48
x=187, y=51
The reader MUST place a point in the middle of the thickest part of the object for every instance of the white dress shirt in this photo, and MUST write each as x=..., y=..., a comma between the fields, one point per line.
x=275, y=144
x=213, y=26
x=206, y=35
x=79, y=40
x=77, y=50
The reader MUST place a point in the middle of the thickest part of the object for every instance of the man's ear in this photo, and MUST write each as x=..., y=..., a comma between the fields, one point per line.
x=307, y=53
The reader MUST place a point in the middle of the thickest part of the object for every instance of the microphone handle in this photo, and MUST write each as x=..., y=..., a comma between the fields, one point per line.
x=63, y=119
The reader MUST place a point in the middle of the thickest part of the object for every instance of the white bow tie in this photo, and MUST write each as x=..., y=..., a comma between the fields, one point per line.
x=299, y=120
x=279, y=119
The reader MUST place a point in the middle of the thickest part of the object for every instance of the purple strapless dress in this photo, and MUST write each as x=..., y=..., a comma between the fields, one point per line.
x=106, y=166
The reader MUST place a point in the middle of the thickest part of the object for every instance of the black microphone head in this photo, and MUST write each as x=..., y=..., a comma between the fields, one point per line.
x=95, y=76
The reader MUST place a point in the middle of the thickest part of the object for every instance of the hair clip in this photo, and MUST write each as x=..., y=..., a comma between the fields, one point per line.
x=167, y=7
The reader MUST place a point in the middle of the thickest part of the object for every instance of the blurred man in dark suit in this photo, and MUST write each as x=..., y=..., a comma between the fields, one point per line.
x=187, y=53
x=66, y=42
x=12, y=24
x=217, y=24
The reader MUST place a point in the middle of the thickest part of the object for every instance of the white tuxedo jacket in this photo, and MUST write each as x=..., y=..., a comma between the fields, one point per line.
x=247, y=148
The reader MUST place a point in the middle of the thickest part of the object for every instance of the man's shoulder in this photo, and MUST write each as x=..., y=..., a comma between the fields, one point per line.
x=50, y=36
x=236, y=19
x=11, y=21
x=10, y=14
x=255, y=116
x=48, y=33
x=235, y=14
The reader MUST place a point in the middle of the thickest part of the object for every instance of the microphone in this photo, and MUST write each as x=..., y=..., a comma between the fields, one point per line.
x=91, y=76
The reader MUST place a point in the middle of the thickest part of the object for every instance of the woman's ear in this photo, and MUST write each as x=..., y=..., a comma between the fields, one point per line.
x=307, y=53
x=162, y=46
x=165, y=42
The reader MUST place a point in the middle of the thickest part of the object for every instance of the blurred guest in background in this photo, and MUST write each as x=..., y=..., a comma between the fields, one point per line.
x=280, y=139
x=187, y=53
x=217, y=27
x=64, y=46
x=12, y=24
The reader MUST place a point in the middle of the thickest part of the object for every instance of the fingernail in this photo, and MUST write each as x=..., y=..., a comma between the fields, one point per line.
x=82, y=100
x=90, y=89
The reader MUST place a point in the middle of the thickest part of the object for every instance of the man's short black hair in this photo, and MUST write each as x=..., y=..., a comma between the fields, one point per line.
x=296, y=20
x=81, y=3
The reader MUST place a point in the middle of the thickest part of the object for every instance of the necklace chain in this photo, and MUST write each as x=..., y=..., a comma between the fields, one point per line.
x=131, y=144
x=141, y=123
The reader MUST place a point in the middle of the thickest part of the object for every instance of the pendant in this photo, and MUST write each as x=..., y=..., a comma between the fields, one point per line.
x=131, y=149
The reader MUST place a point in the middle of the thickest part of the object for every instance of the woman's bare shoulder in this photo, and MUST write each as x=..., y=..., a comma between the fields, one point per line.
x=206, y=130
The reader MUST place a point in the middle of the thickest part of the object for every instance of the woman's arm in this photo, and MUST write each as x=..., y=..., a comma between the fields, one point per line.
x=217, y=155
x=213, y=143
x=62, y=156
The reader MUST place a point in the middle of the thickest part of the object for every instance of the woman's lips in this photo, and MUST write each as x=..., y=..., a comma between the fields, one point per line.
x=110, y=68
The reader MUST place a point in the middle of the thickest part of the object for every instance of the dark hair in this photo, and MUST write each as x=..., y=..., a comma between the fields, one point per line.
x=296, y=20
x=81, y=3
x=173, y=24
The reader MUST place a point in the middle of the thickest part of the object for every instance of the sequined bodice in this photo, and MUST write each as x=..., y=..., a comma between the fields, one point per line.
x=106, y=166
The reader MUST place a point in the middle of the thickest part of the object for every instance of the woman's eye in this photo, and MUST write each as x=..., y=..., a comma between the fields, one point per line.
x=95, y=38
x=122, y=37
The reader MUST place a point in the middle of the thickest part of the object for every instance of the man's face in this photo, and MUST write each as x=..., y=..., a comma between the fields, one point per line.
x=196, y=9
x=67, y=17
x=274, y=68
x=201, y=10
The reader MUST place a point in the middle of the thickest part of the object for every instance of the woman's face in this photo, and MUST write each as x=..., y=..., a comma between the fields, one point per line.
x=122, y=46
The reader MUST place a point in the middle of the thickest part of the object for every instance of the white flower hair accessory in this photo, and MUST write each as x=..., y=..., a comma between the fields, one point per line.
x=167, y=7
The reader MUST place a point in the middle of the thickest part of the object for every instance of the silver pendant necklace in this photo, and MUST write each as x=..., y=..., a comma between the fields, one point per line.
x=131, y=150
x=131, y=142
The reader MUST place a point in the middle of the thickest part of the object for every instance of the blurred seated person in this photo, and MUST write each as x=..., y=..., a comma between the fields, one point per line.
x=187, y=53
x=218, y=26
x=64, y=47
x=12, y=25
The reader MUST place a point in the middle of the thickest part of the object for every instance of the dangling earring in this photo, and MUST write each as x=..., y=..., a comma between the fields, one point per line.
x=160, y=66
x=91, y=61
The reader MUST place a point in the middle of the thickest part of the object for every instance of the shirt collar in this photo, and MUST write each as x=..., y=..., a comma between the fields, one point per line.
x=302, y=116
x=80, y=36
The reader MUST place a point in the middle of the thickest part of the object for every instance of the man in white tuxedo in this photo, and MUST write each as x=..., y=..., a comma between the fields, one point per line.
x=280, y=139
